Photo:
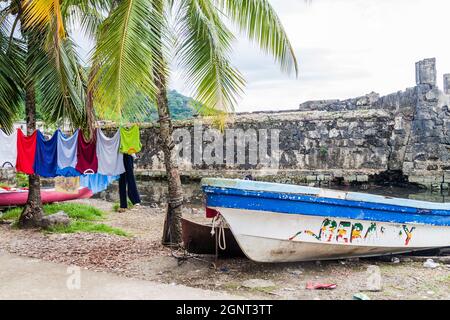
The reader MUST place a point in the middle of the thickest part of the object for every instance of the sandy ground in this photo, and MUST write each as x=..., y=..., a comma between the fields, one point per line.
x=26, y=278
x=142, y=257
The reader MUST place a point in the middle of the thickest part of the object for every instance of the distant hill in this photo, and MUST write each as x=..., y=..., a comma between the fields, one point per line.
x=181, y=107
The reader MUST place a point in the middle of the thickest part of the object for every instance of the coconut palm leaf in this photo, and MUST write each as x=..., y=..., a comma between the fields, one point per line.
x=87, y=14
x=125, y=56
x=62, y=83
x=40, y=13
x=11, y=82
x=258, y=20
x=203, y=53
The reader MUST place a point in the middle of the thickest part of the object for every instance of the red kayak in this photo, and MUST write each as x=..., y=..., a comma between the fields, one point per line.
x=18, y=197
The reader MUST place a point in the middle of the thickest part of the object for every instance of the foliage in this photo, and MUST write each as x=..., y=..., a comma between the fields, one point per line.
x=30, y=53
x=116, y=206
x=22, y=180
x=180, y=106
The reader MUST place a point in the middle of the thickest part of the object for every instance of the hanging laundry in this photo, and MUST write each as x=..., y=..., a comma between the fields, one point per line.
x=87, y=161
x=130, y=140
x=45, y=161
x=97, y=182
x=67, y=155
x=127, y=184
x=8, y=149
x=26, y=150
x=110, y=160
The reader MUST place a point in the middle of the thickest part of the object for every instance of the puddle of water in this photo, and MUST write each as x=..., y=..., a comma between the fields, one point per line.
x=154, y=193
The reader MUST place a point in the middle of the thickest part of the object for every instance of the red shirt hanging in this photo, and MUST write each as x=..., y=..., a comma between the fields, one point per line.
x=87, y=161
x=26, y=150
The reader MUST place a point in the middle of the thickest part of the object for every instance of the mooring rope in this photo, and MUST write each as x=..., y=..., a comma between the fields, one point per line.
x=221, y=223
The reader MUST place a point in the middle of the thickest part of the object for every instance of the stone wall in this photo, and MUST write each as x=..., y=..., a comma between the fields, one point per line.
x=352, y=140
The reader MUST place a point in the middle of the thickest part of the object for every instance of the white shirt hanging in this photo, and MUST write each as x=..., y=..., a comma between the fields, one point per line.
x=67, y=155
x=110, y=160
x=8, y=149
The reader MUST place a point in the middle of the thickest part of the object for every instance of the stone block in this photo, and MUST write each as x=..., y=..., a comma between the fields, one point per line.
x=362, y=178
x=426, y=72
x=447, y=83
x=58, y=219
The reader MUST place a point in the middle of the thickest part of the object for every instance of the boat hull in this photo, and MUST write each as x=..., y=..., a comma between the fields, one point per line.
x=19, y=198
x=275, y=237
x=197, y=239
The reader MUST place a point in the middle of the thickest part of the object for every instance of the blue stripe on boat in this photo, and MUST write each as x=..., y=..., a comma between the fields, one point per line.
x=327, y=207
x=289, y=188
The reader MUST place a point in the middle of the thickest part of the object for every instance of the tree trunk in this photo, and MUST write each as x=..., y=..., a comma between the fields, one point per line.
x=90, y=114
x=172, y=224
x=32, y=213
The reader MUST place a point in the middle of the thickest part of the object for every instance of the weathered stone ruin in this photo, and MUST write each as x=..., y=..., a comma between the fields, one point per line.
x=359, y=139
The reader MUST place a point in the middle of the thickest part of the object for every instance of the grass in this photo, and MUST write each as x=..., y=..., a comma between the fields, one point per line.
x=116, y=206
x=83, y=219
x=11, y=214
x=87, y=226
x=75, y=211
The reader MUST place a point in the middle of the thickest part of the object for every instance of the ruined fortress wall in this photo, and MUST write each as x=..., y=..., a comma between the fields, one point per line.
x=352, y=140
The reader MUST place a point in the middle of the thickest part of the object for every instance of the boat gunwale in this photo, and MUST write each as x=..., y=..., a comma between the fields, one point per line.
x=289, y=189
x=270, y=202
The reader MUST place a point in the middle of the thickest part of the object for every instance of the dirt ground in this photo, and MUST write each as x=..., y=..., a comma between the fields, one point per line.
x=143, y=257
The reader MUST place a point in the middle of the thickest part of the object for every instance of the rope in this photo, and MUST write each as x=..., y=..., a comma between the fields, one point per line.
x=221, y=236
x=176, y=203
x=185, y=256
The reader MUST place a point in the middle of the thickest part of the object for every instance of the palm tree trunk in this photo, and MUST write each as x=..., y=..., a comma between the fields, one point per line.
x=32, y=213
x=172, y=224
x=31, y=216
x=90, y=114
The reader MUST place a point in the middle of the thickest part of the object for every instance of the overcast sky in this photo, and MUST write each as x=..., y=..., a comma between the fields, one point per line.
x=346, y=48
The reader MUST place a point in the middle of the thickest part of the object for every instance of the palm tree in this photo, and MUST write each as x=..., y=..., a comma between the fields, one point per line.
x=37, y=62
x=136, y=43
x=137, y=40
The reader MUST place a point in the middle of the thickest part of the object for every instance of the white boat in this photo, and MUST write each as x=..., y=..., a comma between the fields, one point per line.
x=284, y=223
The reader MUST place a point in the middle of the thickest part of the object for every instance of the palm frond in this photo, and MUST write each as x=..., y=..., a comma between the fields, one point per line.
x=258, y=20
x=61, y=82
x=87, y=14
x=125, y=56
x=40, y=13
x=203, y=54
x=11, y=83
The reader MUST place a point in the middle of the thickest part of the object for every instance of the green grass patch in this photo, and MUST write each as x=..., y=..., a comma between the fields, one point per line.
x=83, y=219
x=11, y=214
x=75, y=211
x=87, y=226
x=116, y=206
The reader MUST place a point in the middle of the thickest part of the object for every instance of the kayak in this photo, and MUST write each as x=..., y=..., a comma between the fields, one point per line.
x=12, y=197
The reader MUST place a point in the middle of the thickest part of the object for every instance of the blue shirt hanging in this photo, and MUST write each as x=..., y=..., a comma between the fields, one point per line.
x=45, y=161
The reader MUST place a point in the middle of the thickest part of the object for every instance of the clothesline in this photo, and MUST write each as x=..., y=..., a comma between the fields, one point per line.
x=68, y=156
